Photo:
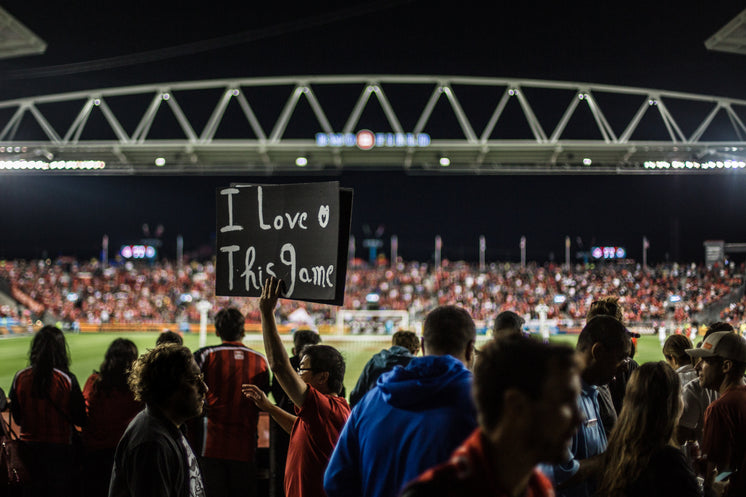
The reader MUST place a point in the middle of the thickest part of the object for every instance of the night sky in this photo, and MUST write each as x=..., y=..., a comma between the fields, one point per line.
x=631, y=43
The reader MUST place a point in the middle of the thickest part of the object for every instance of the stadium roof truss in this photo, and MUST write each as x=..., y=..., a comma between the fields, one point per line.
x=326, y=124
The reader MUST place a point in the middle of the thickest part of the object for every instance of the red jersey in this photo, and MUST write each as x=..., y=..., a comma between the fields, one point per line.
x=312, y=440
x=47, y=419
x=469, y=472
x=230, y=424
x=724, y=437
x=109, y=414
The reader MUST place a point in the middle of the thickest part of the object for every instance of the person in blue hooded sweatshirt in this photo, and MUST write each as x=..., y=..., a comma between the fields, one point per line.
x=415, y=416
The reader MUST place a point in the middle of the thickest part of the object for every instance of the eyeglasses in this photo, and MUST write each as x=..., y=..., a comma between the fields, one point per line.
x=197, y=379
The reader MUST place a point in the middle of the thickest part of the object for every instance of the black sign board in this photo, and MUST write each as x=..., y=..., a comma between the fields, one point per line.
x=296, y=232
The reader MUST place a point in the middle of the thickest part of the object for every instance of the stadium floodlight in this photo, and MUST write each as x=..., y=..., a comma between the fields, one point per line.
x=301, y=162
x=160, y=161
x=445, y=161
x=587, y=161
x=235, y=92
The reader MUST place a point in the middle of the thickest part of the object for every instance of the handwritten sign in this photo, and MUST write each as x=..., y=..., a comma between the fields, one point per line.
x=297, y=233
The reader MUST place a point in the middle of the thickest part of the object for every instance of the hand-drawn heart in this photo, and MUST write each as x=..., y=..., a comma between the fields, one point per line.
x=323, y=215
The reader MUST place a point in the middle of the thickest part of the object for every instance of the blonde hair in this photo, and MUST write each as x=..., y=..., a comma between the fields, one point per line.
x=645, y=425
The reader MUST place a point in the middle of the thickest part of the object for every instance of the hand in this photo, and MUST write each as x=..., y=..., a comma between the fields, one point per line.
x=270, y=295
x=254, y=393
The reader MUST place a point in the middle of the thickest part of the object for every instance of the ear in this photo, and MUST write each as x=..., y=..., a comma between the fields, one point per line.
x=596, y=350
x=422, y=342
x=469, y=355
x=324, y=376
x=515, y=404
x=292, y=351
x=726, y=366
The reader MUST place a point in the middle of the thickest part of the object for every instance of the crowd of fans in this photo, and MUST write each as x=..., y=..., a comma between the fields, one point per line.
x=163, y=292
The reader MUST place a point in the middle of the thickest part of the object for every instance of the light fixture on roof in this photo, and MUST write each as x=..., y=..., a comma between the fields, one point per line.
x=301, y=162
x=587, y=161
x=160, y=162
x=445, y=161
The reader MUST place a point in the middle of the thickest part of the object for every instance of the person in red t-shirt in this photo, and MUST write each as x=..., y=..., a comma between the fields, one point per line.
x=314, y=389
x=526, y=395
x=230, y=425
x=111, y=405
x=47, y=403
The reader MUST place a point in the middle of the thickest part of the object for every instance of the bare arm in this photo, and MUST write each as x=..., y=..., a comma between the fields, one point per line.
x=279, y=362
x=281, y=417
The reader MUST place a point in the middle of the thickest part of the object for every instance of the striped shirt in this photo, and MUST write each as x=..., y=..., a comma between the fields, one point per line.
x=230, y=425
x=47, y=419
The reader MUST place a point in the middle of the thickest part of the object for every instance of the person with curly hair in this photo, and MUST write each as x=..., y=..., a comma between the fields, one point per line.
x=153, y=457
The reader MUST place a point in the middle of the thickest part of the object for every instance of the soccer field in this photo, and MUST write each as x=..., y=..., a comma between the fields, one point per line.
x=87, y=350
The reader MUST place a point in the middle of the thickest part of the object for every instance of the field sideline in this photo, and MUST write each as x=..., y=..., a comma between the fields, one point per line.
x=87, y=351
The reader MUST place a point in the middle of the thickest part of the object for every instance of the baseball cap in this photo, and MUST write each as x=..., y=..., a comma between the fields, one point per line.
x=725, y=344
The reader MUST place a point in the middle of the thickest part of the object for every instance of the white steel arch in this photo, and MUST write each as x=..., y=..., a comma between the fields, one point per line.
x=626, y=130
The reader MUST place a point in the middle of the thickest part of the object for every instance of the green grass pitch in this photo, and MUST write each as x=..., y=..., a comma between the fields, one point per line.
x=87, y=351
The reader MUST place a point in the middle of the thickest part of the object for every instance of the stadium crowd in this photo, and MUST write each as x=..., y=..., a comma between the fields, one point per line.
x=519, y=417
x=161, y=292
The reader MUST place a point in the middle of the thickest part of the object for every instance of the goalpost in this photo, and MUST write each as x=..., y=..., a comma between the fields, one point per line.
x=350, y=322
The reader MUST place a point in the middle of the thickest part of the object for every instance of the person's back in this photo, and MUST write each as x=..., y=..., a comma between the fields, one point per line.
x=413, y=419
x=230, y=429
x=404, y=347
x=111, y=406
x=46, y=402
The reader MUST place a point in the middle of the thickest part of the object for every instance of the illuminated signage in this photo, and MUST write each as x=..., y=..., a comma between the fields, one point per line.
x=608, y=252
x=138, y=252
x=365, y=140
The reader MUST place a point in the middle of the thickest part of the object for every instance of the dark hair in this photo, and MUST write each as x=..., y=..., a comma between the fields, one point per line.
x=157, y=374
x=607, y=306
x=448, y=329
x=229, y=323
x=675, y=347
x=327, y=359
x=169, y=336
x=508, y=321
x=514, y=362
x=115, y=369
x=406, y=339
x=48, y=351
x=304, y=337
x=608, y=331
x=718, y=326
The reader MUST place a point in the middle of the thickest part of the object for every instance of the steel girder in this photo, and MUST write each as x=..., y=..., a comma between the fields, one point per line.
x=422, y=124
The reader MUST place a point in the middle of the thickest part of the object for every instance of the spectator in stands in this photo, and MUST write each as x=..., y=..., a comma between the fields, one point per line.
x=415, y=416
x=603, y=345
x=153, y=457
x=314, y=389
x=168, y=336
x=721, y=366
x=526, y=394
x=642, y=458
x=696, y=398
x=279, y=439
x=404, y=347
x=111, y=405
x=47, y=403
x=508, y=323
x=228, y=453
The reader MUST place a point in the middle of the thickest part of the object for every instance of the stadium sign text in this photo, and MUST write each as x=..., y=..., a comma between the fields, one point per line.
x=366, y=140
